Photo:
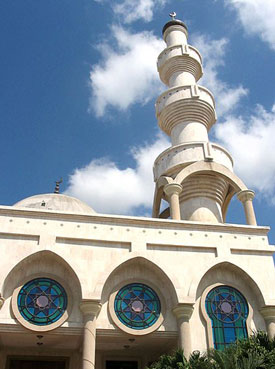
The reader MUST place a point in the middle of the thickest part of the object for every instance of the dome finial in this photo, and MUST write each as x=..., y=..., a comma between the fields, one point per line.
x=57, y=185
x=173, y=22
x=173, y=15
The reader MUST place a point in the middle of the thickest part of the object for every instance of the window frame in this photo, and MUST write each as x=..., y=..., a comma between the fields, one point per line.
x=42, y=328
x=122, y=326
x=209, y=329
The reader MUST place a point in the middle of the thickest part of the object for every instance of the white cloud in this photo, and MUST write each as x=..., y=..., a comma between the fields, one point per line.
x=250, y=140
x=123, y=68
x=213, y=52
x=132, y=10
x=102, y=184
x=127, y=73
x=135, y=76
x=257, y=17
x=109, y=189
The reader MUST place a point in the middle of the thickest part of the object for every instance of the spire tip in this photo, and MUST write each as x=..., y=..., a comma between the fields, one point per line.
x=173, y=15
x=57, y=185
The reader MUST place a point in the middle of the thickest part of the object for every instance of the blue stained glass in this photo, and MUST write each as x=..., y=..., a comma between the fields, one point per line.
x=42, y=301
x=229, y=334
x=228, y=311
x=137, y=306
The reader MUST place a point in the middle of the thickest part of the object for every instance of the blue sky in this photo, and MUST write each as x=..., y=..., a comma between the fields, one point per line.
x=78, y=83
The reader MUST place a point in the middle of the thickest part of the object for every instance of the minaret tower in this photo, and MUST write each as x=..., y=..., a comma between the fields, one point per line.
x=195, y=176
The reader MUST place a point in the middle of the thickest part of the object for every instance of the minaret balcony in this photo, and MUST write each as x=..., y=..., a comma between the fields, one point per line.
x=177, y=157
x=185, y=104
x=179, y=59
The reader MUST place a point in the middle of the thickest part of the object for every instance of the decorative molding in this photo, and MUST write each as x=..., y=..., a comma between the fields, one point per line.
x=44, y=328
x=268, y=312
x=246, y=195
x=16, y=328
x=178, y=105
x=90, y=307
x=183, y=311
x=120, y=220
x=172, y=188
x=122, y=326
x=116, y=333
x=93, y=242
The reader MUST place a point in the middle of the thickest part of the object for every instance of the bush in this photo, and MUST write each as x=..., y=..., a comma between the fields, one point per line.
x=255, y=352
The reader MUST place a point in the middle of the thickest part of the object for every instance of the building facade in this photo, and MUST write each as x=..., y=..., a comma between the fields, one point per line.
x=84, y=290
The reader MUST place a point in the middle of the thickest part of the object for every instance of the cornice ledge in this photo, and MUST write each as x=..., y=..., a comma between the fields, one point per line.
x=15, y=328
x=135, y=221
x=115, y=333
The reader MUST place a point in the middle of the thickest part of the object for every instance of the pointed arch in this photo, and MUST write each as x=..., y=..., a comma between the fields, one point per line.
x=225, y=286
x=39, y=263
x=141, y=268
x=141, y=272
x=211, y=167
x=200, y=167
x=200, y=282
x=161, y=182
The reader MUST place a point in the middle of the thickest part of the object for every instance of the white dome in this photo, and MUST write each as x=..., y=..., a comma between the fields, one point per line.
x=53, y=201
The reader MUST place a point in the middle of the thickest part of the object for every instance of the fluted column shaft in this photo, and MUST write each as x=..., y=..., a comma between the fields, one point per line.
x=90, y=310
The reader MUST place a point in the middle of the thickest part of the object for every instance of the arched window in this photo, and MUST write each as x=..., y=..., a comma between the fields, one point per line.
x=228, y=311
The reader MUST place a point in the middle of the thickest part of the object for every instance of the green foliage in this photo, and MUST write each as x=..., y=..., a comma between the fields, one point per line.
x=178, y=361
x=233, y=358
x=174, y=361
x=257, y=349
x=255, y=352
x=198, y=361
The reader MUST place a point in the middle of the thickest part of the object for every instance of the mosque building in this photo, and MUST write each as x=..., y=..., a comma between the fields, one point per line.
x=82, y=290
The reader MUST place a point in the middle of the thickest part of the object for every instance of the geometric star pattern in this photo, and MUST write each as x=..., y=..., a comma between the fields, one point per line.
x=137, y=306
x=228, y=311
x=226, y=307
x=42, y=301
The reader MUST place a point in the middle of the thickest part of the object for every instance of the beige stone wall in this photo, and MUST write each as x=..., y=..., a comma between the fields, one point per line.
x=94, y=254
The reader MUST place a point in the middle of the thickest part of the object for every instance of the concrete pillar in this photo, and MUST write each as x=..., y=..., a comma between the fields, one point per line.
x=246, y=197
x=183, y=314
x=268, y=312
x=90, y=310
x=172, y=190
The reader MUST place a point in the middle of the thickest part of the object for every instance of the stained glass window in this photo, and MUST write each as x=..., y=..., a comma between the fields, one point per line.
x=228, y=311
x=137, y=306
x=42, y=301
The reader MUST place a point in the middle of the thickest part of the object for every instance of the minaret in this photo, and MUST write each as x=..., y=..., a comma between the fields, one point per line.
x=195, y=176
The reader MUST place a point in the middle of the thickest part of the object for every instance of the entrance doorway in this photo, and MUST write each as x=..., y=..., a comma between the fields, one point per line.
x=116, y=364
x=36, y=363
